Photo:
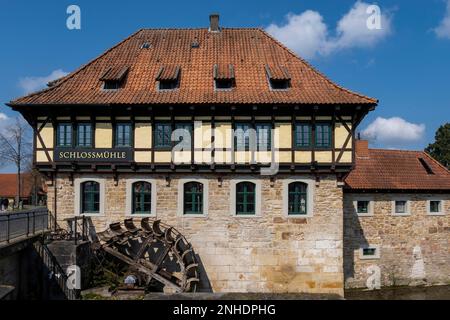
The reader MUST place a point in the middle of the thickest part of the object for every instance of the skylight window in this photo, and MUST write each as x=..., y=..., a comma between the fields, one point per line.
x=168, y=78
x=146, y=45
x=278, y=76
x=224, y=77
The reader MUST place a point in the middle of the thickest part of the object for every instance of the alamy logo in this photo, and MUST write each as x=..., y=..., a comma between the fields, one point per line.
x=374, y=20
x=73, y=22
x=374, y=280
x=73, y=277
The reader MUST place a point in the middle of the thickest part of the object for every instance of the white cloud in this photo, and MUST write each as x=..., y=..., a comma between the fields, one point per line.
x=3, y=121
x=3, y=116
x=308, y=35
x=443, y=30
x=393, y=132
x=32, y=84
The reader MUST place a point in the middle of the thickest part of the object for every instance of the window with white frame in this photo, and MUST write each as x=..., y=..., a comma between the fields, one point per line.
x=364, y=207
x=245, y=197
x=89, y=196
x=193, y=197
x=140, y=197
x=435, y=207
x=400, y=207
x=369, y=252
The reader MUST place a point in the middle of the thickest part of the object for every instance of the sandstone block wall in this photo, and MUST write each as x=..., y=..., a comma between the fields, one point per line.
x=266, y=253
x=414, y=249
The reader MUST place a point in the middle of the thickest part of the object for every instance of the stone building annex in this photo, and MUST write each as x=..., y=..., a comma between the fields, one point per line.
x=247, y=150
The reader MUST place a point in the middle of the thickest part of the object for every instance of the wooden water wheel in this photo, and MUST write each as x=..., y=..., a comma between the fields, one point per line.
x=153, y=251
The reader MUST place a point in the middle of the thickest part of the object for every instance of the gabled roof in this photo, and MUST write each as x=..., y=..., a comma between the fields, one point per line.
x=248, y=50
x=379, y=169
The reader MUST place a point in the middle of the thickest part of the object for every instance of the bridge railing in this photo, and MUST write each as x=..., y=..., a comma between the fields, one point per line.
x=23, y=224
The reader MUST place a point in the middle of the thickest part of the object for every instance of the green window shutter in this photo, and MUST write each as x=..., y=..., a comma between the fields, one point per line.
x=245, y=198
x=64, y=135
x=90, y=193
x=142, y=197
x=242, y=137
x=84, y=135
x=123, y=135
x=163, y=135
x=193, y=198
x=323, y=135
x=264, y=136
x=302, y=135
x=297, y=198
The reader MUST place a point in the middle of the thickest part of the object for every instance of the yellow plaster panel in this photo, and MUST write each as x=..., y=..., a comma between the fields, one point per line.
x=223, y=135
x=283, y=136
x=83, y=118
x=163, y=156
x=283, y=118
x=41, y=157
x=123, y=118
x=143, y=156
x=303, y=156
x=346, y=157
x=340, y=134
x=202, y=135
x=222, y=157
x=263, y=156
x=46, y=135
x=324, y=156
x=182, y=157
x=143, y=135
x=284, y=156
x=242, y=157
x=103, y=118
x=103, y=135
x=202, y=157
x=323, y=118
x=63, y=118
x=303, y=118
x=143, y=118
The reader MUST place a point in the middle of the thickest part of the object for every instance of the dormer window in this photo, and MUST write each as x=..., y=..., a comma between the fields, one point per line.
x=168, y=78
x=278, y=76
x=224, y=76
x=114, y=77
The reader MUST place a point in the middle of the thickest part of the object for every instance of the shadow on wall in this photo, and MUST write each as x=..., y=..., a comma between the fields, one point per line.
x=354, y=239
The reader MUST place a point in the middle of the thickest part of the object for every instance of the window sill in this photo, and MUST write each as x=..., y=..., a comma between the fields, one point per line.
x=192, y=215
x=406, y=214
x=138, y=215
x=439, y=214
x=365, y=214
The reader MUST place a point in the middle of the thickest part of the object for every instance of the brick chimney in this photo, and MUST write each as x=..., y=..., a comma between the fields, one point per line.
x=362, y=148
x=214, y=22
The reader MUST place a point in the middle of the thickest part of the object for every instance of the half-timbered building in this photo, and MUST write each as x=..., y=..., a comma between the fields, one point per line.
x=223, y=133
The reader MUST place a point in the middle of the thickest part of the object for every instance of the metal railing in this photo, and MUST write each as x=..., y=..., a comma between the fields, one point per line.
x=56, y=271
x=23, y=224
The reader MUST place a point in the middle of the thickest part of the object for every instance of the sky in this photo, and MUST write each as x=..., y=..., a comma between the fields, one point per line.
x=397, y=52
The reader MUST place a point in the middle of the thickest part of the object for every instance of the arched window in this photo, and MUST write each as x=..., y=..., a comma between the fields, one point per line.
x=90, y=197
x=193, y=198
x=297, y=198
x=245, y=198
x=142, y=197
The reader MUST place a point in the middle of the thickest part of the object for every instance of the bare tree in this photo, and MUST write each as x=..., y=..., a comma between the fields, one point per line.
x=15, y=148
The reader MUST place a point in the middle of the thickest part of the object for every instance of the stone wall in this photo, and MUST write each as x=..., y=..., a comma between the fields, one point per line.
x=414, y=249
x=266, y=253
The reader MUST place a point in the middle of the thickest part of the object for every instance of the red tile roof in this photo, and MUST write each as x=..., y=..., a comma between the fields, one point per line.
x=8, y=185
x=378, y=169
x=248, y=50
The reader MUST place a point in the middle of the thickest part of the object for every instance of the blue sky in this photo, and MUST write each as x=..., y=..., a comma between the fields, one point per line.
x=406, y=65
